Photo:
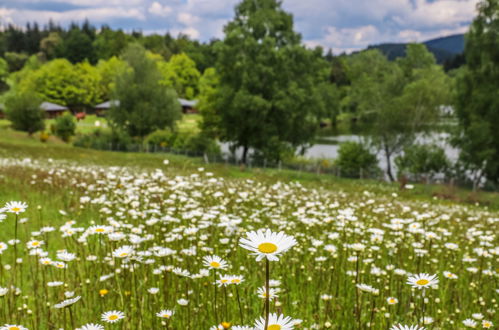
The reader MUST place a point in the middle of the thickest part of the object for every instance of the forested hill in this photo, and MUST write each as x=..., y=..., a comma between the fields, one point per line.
x=444, y=49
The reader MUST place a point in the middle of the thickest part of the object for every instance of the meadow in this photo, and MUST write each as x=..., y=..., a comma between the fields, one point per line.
x=136, y=241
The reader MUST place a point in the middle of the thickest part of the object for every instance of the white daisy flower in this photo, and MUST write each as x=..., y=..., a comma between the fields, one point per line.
x=214, y=262
x=422, y=280
x=165, y=314
x=267, y=244
x=112, y=316
x=276, y=322
x=92, y=326
x=16, y=207
x=406, y=327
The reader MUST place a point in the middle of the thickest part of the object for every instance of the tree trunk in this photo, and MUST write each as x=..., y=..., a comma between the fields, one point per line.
x=388, y=165
x=245, y=154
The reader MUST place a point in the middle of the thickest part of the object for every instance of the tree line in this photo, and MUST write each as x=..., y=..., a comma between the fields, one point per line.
x=261, y=90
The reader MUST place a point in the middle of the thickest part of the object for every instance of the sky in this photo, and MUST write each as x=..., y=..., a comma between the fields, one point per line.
x=340, y=25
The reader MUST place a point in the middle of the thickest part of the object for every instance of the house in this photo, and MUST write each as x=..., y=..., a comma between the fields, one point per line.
x=187, y=106
x=53, y=110
x=101, y=108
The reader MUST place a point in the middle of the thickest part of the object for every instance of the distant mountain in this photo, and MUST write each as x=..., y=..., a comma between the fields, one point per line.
x=444, y=49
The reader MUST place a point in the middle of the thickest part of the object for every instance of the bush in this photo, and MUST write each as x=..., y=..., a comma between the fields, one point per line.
x=355, y=160
x=160, y=138
x=104, y=140
x=23, y=110
x=421, y=161
x=65, y=127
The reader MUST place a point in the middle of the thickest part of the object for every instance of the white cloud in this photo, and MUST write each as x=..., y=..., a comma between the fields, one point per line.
x=188, y=19
x=158, y=9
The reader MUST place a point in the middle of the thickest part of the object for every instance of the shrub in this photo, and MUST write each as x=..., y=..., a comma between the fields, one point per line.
x=160, y=138
x=23, y=110
x=355, y=160
x=65, y=127
x=104, y=140
x=422, y=161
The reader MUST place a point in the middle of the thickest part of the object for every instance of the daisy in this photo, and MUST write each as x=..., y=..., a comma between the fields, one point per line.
x=276, y=322
x=470, y=323
x=223, y=281
x=236, y=279
x=67, y=302
x=92, y=326
x=487, y=324
x=13, y=327
x=266, y=244
x=165, y=314
x=16, y=207
x=406, y=327
x=262, y=293
x=422, y=280
x=112, y=316
x=392, y=300
x=214, y=262
x=123, y=252
x=450, y=275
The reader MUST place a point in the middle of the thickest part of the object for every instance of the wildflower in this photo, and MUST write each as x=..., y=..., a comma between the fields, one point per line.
x=13, y=327
x=3, y=291
x=276, y=322
x=487, y=324
x=153, y=290
x=123, y=252
x=267, y=244
x=214, y=262
x=450, y=275
x=182, y=302
x=422, y=280
x=470, y=323
x=406, y=327
x=112, y=316
x=67, y=302
x=16, y=207
x=236, y=279
x=103, y=292
x=91, y=326
x=368, y=288
x=165, y=314
x=262, y=293
x=392, y=300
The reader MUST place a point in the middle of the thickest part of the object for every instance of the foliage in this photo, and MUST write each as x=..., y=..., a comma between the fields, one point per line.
x=77, y=47
x=65, y=127
x=356, y=161
x=23, y=110
x=267, y=99
x=420, y=160
x=398, y=100
x=477, y=101
x=207, y=102
x=161, y=138
x=104, y=140
x=181, y=74
x=15, y=61
x=108, y=70
x=144, y=104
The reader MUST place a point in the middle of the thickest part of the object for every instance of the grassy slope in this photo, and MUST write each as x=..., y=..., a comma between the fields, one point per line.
x=18, y=144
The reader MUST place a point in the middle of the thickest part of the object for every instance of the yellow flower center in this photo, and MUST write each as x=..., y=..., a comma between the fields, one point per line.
x=99, y=230
x=103, y=292
x=15, y=209
x=274, y=327
x=236, y=280
x=113, y=317
x=166, y=316
x=224, y=281
x=214, y=264
x=392, y=301
x=267, y=248
x=14, y=328
x=226, y=325
x=35, y=243
x=422, y=281
x=123, y=254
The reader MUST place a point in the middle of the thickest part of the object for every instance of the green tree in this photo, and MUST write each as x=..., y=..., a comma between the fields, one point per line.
x=355, y=160
x=422, y=161
x=23, y=110
x=181, y=74
x=65, y=127
x=77, y=47
x=108, y=71
x=477, y=101
x=50, y=44
x=109, y=43
x=397, y=103
x=268, y=98
x=76, y=86
x=144, y=104
x=207, y=103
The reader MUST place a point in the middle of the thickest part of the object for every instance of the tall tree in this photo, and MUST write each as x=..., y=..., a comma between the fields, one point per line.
x=144, y=104
x=23, y=110
x=267, y=98
x=477, y=103
x=181, y=74
x=397, y=100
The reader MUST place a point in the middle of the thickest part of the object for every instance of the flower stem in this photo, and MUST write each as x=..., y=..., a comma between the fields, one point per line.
x=267, y=292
